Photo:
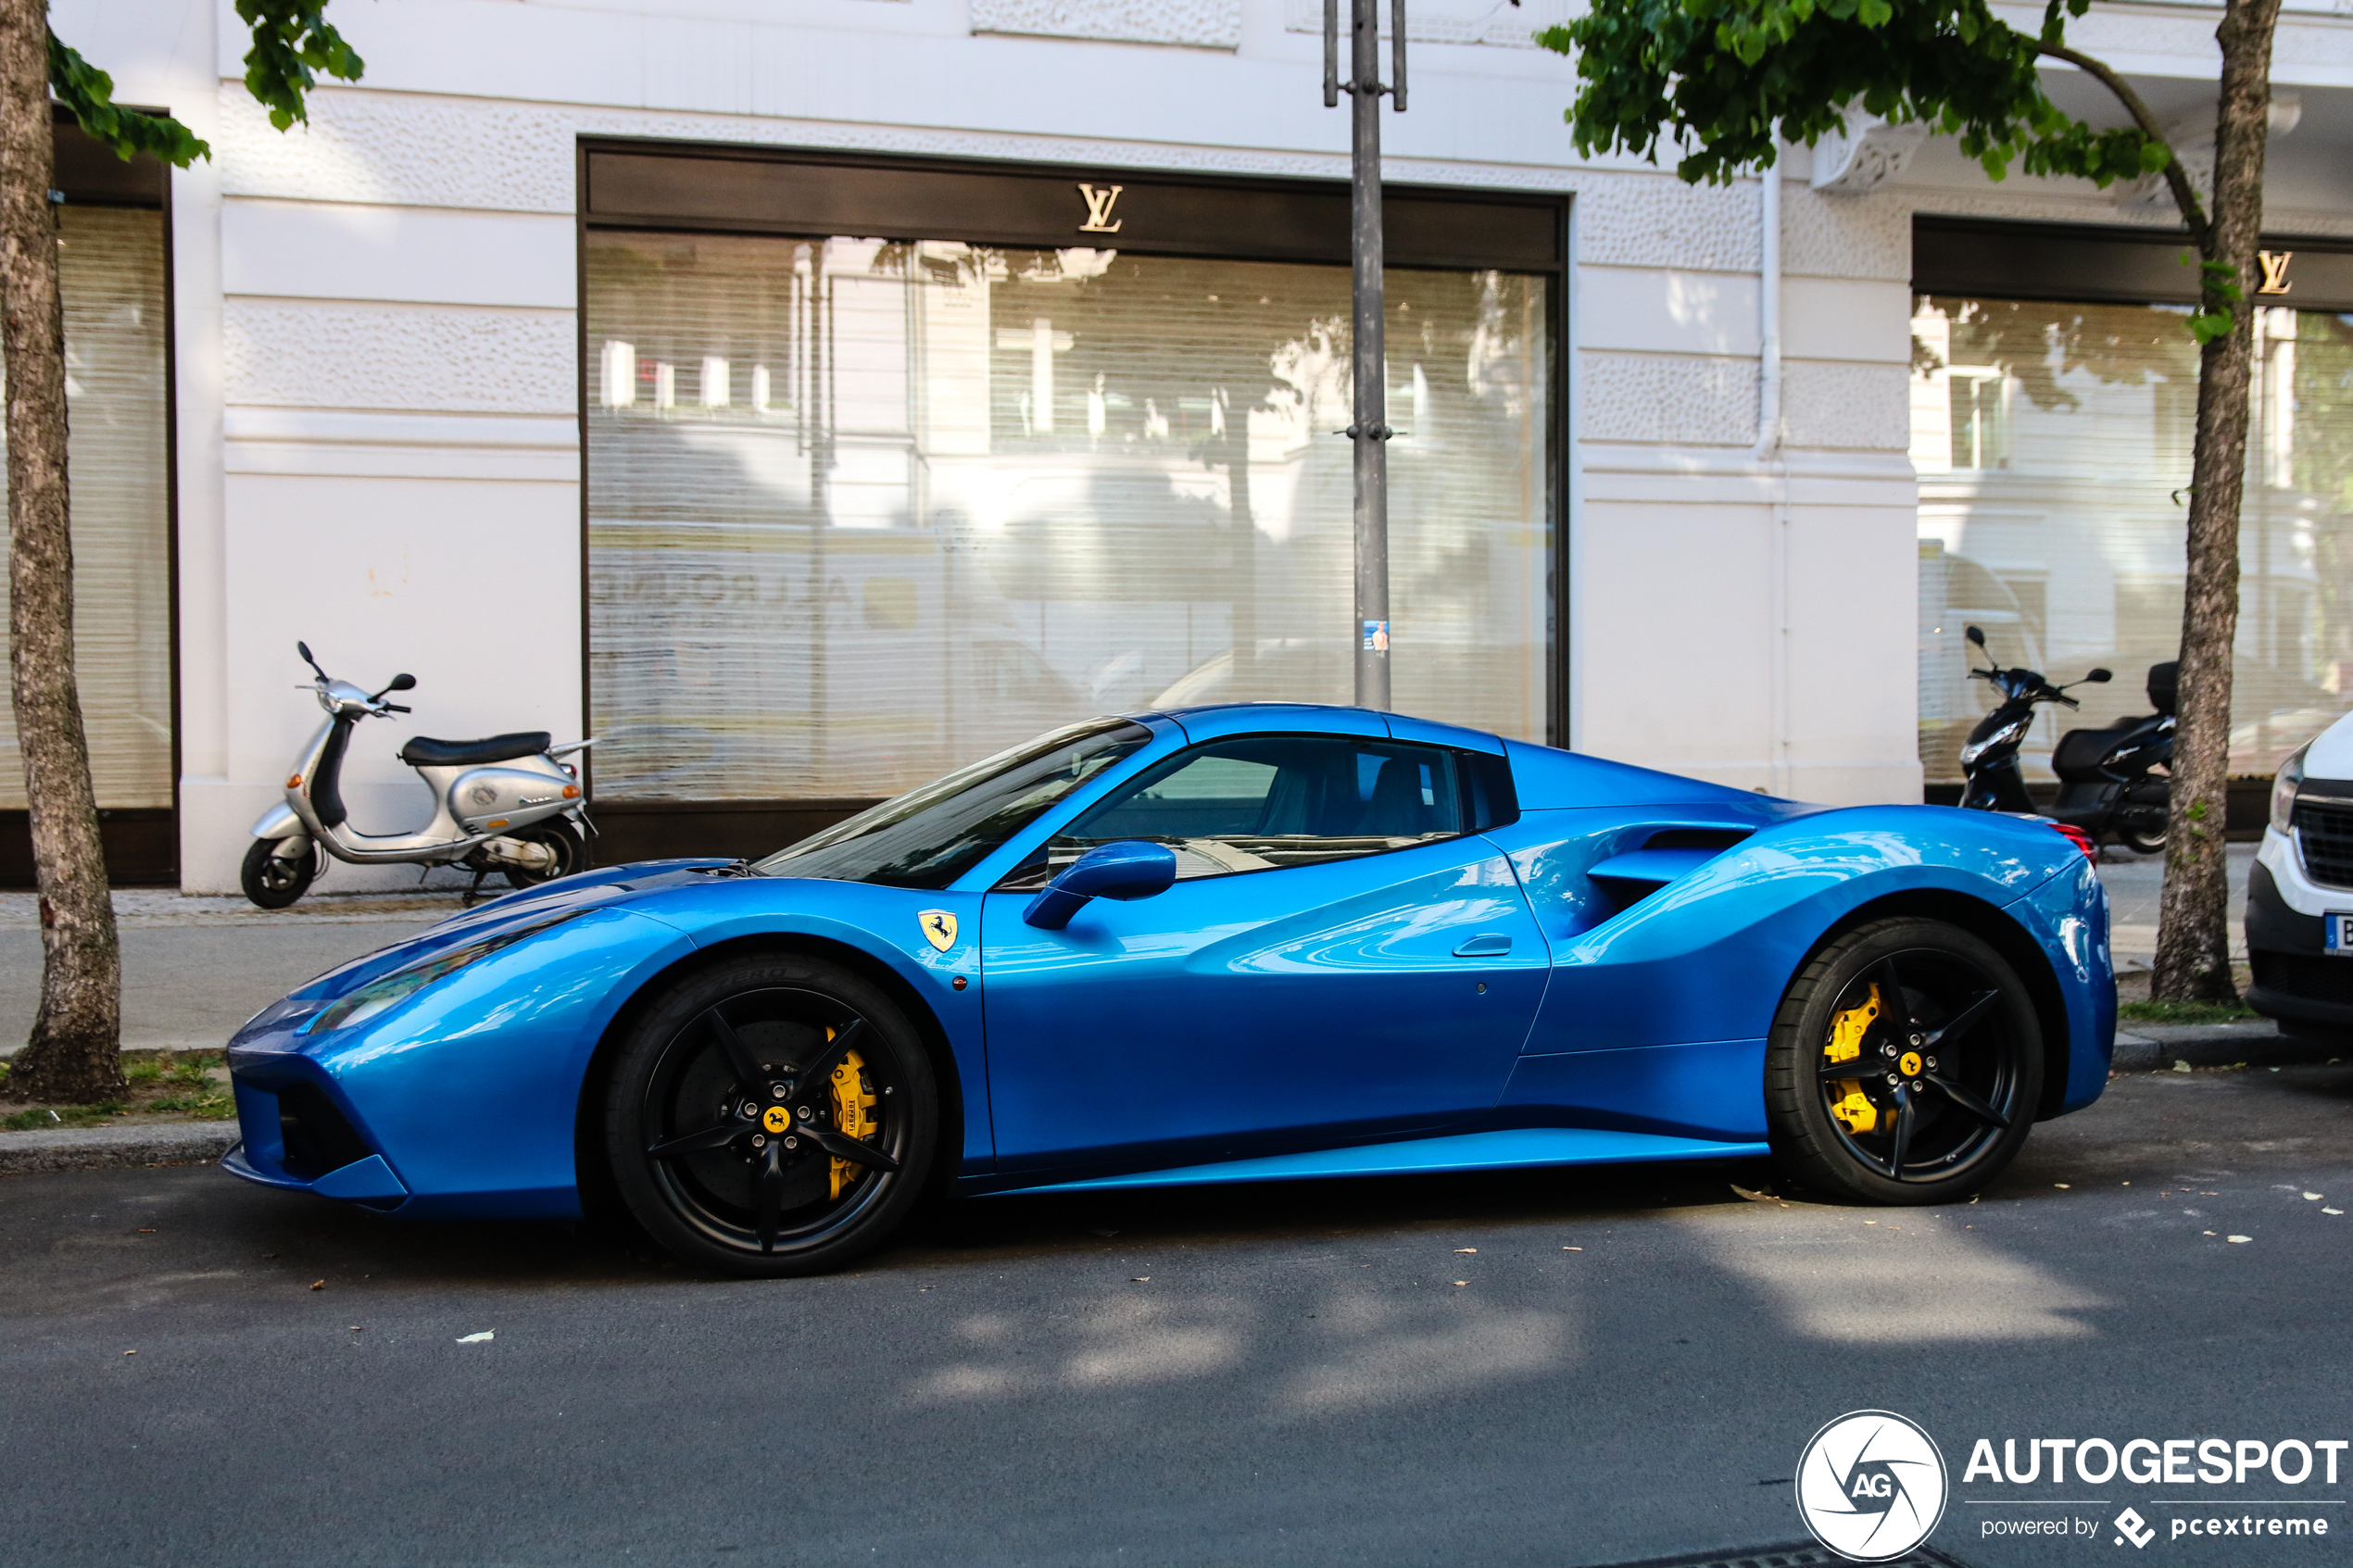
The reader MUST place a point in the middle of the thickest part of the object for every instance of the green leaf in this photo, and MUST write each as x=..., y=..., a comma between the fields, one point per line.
x=88, y=94
x=293, y=42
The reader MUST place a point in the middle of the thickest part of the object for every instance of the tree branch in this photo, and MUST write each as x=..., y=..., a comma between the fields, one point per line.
x=2177, y=179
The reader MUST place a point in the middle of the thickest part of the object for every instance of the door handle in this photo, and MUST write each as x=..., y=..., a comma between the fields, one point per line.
x=1489, y=946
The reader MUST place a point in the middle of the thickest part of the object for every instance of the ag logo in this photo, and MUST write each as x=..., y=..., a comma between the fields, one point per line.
x=939, y=928
x=1871, y=1485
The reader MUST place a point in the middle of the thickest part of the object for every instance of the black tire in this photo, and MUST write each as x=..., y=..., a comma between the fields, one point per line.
x=728, y=1194
x=1957, y=1072
x=275, y=883
x=562, y=836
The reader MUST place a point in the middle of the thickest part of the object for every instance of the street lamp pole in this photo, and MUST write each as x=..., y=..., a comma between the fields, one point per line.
x=1370, y=431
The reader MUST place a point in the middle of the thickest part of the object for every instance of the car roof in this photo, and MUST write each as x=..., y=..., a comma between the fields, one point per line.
x=1210, y=720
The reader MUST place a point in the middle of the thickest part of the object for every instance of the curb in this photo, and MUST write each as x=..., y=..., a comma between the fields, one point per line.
x=2254, y=1044
x=102, y=1148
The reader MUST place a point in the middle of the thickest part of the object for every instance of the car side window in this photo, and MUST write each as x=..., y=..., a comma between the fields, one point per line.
x=1267, y=801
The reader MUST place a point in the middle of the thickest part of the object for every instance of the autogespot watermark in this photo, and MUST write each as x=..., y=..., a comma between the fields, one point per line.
x=1872, y=1486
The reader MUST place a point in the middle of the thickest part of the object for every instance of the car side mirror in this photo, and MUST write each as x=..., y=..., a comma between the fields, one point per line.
x=1976, y=636
x=1129, y=869
x=409, y=683
x=2099, y=677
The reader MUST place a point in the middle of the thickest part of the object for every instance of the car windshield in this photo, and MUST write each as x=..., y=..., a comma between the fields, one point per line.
x=930, y=837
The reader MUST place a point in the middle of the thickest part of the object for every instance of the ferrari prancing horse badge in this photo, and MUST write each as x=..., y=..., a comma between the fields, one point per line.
x=939, y=928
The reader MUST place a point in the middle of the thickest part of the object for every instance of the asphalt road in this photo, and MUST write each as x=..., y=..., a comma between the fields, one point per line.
x=1276, y=1374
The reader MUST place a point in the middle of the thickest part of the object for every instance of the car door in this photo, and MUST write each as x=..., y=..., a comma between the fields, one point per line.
x=1339, y=957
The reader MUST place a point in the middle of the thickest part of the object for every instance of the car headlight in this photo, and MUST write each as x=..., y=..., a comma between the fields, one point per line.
x=2002, y=736
x=2285, y=785
x=388, y=991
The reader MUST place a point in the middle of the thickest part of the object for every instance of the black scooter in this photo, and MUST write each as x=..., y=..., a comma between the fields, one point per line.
x=2106, y=782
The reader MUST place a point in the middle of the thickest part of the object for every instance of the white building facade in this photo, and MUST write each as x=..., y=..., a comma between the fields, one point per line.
x=809, y=396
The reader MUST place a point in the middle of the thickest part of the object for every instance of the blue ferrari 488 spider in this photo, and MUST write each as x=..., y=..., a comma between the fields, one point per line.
x=1242, y=943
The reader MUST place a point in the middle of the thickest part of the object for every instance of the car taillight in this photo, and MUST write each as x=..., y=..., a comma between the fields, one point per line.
x=2082, y=840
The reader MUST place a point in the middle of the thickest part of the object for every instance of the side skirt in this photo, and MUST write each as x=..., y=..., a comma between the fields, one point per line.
x=1511, y=1149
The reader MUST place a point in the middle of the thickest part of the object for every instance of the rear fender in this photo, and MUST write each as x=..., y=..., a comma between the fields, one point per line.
x=1708, y=955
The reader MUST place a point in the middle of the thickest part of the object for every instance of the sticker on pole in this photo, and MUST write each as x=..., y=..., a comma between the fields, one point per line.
x=1871, y=1485
x=1376, y=636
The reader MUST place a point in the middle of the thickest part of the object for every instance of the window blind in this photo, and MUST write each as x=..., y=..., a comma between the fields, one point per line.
x=861, y=511
x=2052, y=444
x=111, y=276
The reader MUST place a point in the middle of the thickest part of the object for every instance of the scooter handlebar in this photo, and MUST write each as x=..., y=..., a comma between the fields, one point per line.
x=396, y=708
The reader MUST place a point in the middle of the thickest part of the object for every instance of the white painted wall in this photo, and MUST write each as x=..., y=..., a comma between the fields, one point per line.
x=378, y=391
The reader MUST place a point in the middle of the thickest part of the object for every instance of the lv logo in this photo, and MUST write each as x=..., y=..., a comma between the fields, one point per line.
x=2274, y=271
x=1099, y=206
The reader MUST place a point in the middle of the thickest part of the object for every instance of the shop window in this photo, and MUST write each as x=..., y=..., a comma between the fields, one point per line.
x=860, y=511
x=2054, y=444
x=111, y=275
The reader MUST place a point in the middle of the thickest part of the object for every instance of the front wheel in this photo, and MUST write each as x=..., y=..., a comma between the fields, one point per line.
x=1904, y=1065
x=773, y=1115
x=275, y=883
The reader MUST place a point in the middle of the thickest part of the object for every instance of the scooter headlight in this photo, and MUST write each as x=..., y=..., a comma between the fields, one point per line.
x=2285, y=784
x=2002, y=737
x=388, y=991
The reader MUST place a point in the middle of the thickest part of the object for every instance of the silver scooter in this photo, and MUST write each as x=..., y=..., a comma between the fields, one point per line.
x=507, y=803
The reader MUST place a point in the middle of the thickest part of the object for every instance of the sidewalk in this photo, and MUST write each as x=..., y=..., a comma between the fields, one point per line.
x=194, y=969
x=2134, y=883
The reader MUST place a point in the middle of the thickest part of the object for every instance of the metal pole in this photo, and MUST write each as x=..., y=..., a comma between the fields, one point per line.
x=1370, y=432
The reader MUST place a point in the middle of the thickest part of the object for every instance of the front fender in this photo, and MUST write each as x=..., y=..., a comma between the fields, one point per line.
x=468, y=1088
x=884, y=925
x=278, y=822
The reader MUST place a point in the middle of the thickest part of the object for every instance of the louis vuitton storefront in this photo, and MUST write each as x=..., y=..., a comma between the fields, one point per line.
x=891, y=464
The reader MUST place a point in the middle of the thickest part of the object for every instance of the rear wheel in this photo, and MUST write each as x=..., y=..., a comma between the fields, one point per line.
x=275, y=883
x=567, y=850
x=2140, y=825
x=1904, y=1065
x=772, y=1116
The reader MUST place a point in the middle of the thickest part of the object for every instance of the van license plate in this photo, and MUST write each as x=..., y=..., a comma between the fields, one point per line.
x=2337, y=932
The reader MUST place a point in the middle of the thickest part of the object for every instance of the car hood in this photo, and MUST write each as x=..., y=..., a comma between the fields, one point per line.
x=611, y=886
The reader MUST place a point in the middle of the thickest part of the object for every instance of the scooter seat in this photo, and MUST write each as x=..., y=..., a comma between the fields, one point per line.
x=423, y=751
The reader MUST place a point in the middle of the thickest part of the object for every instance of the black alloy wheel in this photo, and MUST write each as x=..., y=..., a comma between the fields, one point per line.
x=561, y=839
x=275, y=883
x=772, y=1116
x=1904, y=1065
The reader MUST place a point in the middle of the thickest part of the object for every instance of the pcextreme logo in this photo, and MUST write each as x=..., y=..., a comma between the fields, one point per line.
x=1871, y=1485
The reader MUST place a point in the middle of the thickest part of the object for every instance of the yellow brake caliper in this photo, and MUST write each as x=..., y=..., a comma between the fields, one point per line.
x=1848, y=1030
x=853, y=1114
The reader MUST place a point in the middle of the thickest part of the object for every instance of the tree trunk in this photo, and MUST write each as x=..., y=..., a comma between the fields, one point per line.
x=2192, y=938
x=75, y=1050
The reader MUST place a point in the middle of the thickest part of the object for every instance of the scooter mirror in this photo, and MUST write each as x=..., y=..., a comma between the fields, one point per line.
x=402, y=683
x=1976, y=636
x=304, y=649
x=2099, y=677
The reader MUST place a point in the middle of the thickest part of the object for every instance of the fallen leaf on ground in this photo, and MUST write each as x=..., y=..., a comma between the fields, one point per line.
x=2315, y=1196
x=483, y=1338
x=2238, y=1238
x=1462, y=1282
x=1460, y=1250
x=131, y=1352
x=1140, y=1279
x=2061, y=1185
x=150, y=1230
x=1572, y=1249
x=2331, y=1210
x=318, y=1285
